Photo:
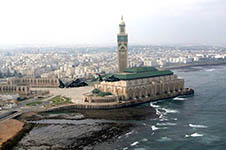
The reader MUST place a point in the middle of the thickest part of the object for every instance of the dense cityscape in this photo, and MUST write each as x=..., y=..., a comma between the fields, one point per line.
x=86, y=62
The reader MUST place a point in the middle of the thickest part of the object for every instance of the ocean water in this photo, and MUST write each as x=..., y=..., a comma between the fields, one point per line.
x=191, y=123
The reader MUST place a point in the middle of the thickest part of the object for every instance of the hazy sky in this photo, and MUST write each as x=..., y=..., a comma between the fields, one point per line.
x=96, y=21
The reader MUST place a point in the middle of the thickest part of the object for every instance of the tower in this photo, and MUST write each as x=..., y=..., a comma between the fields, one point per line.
x=122, y=47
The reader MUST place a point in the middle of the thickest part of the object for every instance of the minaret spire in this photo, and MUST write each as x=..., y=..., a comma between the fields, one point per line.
x=122, y=47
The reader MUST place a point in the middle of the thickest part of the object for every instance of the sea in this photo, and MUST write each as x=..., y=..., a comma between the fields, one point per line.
x=185, y=123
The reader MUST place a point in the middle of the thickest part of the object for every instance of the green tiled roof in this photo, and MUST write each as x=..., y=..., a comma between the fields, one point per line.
x=132, y=76
x=140, y=72
x=140, y=69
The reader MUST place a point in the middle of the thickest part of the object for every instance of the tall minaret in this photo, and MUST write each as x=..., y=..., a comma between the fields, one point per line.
x=122, y=47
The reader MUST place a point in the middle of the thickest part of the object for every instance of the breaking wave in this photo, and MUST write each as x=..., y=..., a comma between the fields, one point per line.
x=209, y=70
x=144, y=140
x=170, y=110
x=153, y=105
x=179, y=99
x=131, y=132
x=134, y=143
x=194, y=135
x=166, y=124
x=154, y=128
x=197, y=126
x=164, y=139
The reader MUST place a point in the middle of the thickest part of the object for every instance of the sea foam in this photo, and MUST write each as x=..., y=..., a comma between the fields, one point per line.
x=154, y=128
x=153, y=105
x=134, y=143
x=197, y=126
x=144, y=140
x=131, y=132
x=209, y=70
x=170, y=110
x=166, y=124
x=179, y=99
x=165, y=139
x=194, y=135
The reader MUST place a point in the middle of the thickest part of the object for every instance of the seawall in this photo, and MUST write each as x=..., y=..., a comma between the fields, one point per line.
x=122, y=104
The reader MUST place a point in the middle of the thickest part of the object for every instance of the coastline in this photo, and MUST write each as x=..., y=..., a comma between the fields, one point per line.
x=123, y=104
x=89, y=137
x=193, y=65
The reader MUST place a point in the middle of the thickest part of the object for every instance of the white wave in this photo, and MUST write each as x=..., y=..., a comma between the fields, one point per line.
x=165, y=139
x=125, y=148
x=163, y=112
x=163, y=119
x=194, y=135
x=210, y=70
x=153, y=105
x=166, y=124
x=134, y=143
x=197, y=126
x=144, y=140
x=170, y=110
x=174, y=119
x=186, y=136
x=154, y=128
x=179, y=99
x=129, y=133
x=157, y=128
x=160, y=114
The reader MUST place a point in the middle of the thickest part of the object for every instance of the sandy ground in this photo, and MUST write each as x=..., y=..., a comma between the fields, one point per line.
x=75, y=94
x=9, y=128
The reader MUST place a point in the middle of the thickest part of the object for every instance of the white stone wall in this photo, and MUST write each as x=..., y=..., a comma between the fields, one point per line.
x=131, y=89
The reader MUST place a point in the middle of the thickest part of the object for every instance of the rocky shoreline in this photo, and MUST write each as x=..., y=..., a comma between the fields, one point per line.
x=78, y=130
x=66, y=136
x=74, y=128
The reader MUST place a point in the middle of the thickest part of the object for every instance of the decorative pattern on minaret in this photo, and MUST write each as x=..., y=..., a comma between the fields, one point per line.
x=122, y=47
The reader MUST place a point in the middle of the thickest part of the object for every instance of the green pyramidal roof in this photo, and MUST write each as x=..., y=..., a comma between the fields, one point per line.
x=141, y=72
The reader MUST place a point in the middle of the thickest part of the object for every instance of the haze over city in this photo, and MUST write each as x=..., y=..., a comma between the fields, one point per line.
x=58, y=22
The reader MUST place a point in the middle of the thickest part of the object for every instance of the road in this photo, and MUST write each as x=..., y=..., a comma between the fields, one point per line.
x=22, y=107
x=10, y=115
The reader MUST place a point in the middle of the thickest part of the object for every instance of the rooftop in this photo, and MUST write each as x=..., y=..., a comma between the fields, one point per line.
x=141, y=72
x=140, y=69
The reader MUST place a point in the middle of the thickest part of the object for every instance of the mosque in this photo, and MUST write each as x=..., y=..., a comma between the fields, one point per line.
x=135, y=83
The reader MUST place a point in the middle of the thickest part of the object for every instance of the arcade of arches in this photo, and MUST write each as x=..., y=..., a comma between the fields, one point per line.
x=140, y=88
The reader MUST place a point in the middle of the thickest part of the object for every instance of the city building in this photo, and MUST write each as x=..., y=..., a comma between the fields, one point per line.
x=35, y=82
